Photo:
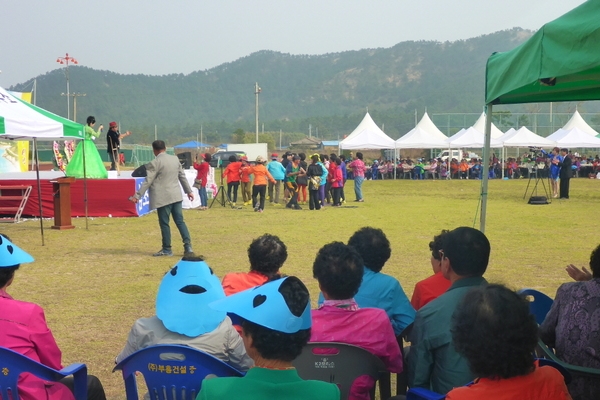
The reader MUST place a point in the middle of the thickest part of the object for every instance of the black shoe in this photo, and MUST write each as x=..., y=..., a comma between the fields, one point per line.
x=187, y=250
x=297, y=207
x=163, y=252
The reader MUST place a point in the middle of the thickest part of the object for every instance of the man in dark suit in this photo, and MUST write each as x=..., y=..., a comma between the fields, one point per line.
x=163, y=177
x=565, y=173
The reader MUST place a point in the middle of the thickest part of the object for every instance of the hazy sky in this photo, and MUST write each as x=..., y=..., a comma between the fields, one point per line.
x=181, y=36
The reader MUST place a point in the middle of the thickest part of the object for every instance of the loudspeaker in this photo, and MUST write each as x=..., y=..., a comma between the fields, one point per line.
x=538, y=200
x=139, y=172
x=185, y=159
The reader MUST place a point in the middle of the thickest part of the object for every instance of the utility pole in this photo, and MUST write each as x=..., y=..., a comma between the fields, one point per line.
x=257, y=91
x=66, y=60
x=75, y=96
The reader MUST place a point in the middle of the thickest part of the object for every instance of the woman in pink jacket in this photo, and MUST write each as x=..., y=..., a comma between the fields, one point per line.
x=23, y=329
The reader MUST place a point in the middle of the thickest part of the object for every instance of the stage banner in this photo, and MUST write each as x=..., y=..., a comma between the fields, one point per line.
x=23, y=152
x=9, y=157
x=143, y=206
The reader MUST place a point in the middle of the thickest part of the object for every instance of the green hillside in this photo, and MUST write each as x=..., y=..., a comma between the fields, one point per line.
x=330, y=92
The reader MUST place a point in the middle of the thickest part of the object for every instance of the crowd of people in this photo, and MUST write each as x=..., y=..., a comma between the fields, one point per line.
x=538, y=163
x=317, y=181
x=469, y=339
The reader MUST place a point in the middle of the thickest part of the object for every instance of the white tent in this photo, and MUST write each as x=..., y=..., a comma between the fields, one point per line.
x=367, y=135
x=574, y=138
x=469, y=138
x=423, y=136
x=24, y=121
x=523, y=137
x=577, y=121
x=21, y=120
x=480, y=126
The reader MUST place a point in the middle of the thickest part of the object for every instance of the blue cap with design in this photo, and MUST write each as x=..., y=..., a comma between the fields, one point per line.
x=11, y=254
x=183, y=298
x=265, y=306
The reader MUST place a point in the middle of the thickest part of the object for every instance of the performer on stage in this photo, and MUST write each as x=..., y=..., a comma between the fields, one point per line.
x=94, y=167
x=113, y=144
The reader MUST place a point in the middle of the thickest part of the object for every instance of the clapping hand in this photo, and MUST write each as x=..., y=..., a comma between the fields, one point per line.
x=578, y=274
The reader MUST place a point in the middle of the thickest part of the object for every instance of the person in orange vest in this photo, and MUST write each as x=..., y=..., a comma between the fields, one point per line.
x=260, y=183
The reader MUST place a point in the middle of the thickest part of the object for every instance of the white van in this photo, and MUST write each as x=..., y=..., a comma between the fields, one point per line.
x=458, y=155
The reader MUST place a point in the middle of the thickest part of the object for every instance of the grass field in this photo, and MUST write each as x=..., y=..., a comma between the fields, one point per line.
x=93, y=284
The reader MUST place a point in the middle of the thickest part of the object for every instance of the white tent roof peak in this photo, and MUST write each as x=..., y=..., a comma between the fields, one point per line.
x=423, y=136
x=523, y=137
x=577, y=121
x=574, y=138
x=480, y=126
x=470, y=138
x=427, y=125
x=367, y=135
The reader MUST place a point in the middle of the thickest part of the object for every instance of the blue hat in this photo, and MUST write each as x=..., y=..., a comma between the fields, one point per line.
x=265, y=306
x=183, y=298
x=11, y=254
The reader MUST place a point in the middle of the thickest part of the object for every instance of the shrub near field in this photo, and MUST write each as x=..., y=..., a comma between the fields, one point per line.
x=93, y=284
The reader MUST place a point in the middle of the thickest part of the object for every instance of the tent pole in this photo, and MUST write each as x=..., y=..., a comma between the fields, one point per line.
x=39, y=189
x=85, y=199
x=486, y=167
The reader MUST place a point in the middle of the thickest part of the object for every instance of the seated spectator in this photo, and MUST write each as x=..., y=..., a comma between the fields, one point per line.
x=476, y=170
x=433, y=167
x=571, y=326
x=23, y=329
x=377, y=289
x=433, y=362
x=339, y=270
x=419, y=170
x=276, y=326
x=184, y=317
x=493, y=329
x=434, y=286
x=266, y=254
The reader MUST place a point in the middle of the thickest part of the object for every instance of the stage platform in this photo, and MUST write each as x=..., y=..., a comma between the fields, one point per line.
x=106, y=197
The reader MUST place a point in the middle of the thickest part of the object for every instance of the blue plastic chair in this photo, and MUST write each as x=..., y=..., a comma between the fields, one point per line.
x=423, y=394
x=171, y=372
x=539, y=305
x=13, y=364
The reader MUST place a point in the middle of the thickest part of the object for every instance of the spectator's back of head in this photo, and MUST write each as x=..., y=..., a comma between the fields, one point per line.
x=267, y=254
x=373, y=246
x=159, y=145
x=494, y=330
x=339, y=270
x=468, y=250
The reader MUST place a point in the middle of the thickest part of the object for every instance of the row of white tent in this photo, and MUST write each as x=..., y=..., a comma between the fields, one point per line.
x=425, y=135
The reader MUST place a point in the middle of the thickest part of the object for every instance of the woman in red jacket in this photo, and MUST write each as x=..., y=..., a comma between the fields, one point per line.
x=232, y=175
x=337, y=182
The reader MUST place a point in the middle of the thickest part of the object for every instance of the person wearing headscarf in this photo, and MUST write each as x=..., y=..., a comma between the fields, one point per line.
x=276, y=325
x=23, y=329
x=184, y=317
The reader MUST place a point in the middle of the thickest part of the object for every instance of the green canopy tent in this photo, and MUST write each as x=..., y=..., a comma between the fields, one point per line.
x=20, y=120
x=560, y=62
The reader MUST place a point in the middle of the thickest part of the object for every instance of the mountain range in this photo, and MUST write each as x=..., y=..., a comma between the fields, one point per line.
x=329, y=92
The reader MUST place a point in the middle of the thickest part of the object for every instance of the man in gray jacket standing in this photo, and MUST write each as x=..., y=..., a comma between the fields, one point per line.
x=163, y=175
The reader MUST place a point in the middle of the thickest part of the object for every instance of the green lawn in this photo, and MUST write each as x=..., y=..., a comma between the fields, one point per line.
x=94, y=283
